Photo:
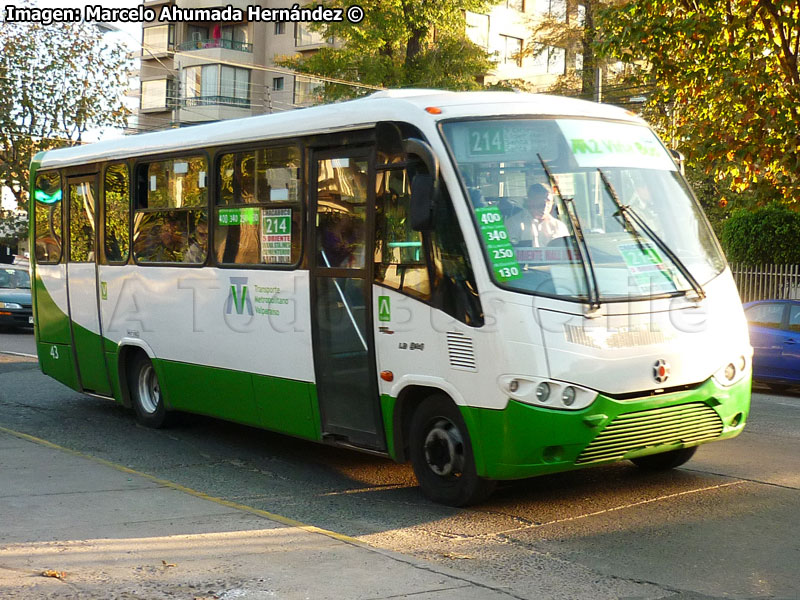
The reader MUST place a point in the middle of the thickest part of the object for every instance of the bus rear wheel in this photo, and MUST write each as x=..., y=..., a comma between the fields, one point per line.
x=145, y=391
x=665, y=460
x=441, y=455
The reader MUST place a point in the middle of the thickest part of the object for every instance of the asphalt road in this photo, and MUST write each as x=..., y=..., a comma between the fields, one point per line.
x=724, y=526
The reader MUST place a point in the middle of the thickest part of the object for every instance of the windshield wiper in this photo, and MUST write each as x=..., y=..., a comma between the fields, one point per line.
x=592, y=289
x=633, y=219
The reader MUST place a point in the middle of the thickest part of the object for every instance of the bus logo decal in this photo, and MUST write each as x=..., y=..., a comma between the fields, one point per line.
x=384, y=309
x=661, y=370
x=238, y=298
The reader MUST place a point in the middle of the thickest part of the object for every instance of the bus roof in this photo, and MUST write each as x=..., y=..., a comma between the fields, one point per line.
x=389, y=105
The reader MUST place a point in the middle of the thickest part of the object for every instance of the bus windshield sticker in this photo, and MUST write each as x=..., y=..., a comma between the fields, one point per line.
x=237, y=216
x=603, y=144
x=495, y=236
x=647, y=269
x=276, y=235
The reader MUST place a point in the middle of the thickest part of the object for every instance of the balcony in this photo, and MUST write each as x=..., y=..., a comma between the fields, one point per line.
x=216, y=43
x=216, y=101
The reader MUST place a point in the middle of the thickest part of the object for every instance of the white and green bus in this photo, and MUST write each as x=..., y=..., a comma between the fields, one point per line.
x=376, y=274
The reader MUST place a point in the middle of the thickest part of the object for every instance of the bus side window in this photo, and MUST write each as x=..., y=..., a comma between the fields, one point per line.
x=400, y=258
x=117, y=211
x=48, y=195
x=170, y=224
x=258, y=217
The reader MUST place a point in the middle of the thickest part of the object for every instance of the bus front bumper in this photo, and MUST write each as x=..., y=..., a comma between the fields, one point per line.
x=523, y=440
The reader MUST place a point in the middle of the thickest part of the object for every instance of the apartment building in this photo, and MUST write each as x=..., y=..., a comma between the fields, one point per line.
x=200, y=71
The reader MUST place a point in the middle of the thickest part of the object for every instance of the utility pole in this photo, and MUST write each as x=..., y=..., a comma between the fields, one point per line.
x=598, y=84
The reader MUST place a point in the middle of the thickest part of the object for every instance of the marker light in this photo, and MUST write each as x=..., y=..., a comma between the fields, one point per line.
x=513, y=385
x=434, y=110
x=543, y=392
x=742, y=363
x=10, y=305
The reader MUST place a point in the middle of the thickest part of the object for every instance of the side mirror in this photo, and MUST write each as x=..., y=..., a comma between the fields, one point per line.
x=423, y=195
x=424, y=186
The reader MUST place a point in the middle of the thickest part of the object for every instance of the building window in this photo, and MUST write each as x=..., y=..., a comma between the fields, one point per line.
x=579, y=62
x=511, y=50
x=259, y=216
x=280, y=27
x=478, y=28
x=155, y=94
x=581, y=20
x=159, y=39
x=304, y=36
x=518, y=5
x=307, y=91
x=555, y=9
x=171, y=219
x=216, y=84
x=549, y=60
x=277, y=83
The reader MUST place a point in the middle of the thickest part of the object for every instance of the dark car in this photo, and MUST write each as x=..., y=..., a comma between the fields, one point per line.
x=15, y=297
x=775, y=337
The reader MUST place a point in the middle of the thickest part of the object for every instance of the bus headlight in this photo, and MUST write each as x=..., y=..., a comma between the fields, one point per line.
x=546, y=393
x=732, y=372
x=568, y=396
x=542, y=392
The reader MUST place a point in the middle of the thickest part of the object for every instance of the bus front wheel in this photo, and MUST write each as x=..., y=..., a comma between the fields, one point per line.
x=145, y=390
x=665, y=460
x=441, y=455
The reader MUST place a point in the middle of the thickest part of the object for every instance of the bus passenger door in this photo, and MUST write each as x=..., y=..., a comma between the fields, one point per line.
x=82, y=292
x=342, y=207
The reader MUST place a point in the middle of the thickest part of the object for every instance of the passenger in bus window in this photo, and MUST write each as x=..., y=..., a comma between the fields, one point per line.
x=198, y=245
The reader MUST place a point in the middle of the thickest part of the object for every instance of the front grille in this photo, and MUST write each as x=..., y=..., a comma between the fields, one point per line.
x=685, y=423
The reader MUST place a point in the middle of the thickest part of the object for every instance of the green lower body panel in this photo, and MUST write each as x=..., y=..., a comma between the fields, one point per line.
x=269, y=402
x=523, y=441
x=56, y=360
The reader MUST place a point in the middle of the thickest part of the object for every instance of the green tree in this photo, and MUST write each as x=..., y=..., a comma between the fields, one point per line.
x=764, y=236
x=724, y=86
x=56, y=82
x=400, y=43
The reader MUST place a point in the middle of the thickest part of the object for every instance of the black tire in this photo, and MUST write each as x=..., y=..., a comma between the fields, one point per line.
x=145, y=391
x=665, y=460
x=442, y=457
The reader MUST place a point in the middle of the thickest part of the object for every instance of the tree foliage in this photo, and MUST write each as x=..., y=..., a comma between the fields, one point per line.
x=56, y=82
x=724, y=85
x=767, y=235
x=400, y=43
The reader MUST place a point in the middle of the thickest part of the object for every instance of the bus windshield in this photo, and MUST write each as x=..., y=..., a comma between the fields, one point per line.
x=537, y=186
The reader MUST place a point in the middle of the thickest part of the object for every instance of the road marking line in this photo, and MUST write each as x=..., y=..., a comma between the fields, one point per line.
x=18, y=354
x=610, y=510
x=176, y=486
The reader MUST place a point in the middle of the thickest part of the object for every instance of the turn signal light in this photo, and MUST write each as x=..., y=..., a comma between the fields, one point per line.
x=434, y=110
x=387, y=375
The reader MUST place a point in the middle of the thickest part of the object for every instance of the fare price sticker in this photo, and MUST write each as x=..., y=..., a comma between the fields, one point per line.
x=495, y=237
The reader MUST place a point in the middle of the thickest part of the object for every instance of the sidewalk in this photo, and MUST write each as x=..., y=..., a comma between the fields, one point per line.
x=119, y=534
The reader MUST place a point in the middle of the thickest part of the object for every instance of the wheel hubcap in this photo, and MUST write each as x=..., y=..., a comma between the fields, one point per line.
x=444, y=449
x=149, y=391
